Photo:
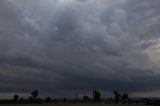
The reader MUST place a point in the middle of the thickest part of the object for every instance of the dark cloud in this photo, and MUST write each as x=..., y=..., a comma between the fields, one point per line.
x=79, y=45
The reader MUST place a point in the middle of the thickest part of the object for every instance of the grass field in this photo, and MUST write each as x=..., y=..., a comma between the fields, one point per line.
x=70, y=105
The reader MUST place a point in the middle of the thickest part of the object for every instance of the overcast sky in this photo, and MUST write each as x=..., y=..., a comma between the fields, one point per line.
x=79, y=45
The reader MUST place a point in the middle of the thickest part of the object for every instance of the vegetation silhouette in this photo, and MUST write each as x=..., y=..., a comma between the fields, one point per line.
x=76, y=98
x=15, y=98
x=86, y=99
x=64, y=100
x=95, y=97
x=34, y=93
x=124, y=98
x=48, y=100
x=117, y=96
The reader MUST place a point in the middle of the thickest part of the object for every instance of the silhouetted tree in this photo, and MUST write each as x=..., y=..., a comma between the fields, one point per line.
x=124, y=98
x=34, y=93
x=148, y=101
x=48, y=100
x=116, y=97
x=76, y=98
x=96, y=96
x=15, y=98
x=64, y=100
x=86, y=99
x=30, y=99
x=22, y=100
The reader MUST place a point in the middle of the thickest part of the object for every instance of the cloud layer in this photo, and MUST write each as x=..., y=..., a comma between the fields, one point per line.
x=79, y=45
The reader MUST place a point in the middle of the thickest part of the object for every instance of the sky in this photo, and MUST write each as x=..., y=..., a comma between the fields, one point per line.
x=64, y=46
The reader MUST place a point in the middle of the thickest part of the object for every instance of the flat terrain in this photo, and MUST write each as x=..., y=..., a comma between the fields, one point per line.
x=69, y=105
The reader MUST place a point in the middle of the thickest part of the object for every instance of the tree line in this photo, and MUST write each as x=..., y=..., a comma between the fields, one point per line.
x=96, y=97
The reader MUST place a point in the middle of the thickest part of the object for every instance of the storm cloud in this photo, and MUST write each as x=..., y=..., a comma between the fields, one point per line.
x=75, y=45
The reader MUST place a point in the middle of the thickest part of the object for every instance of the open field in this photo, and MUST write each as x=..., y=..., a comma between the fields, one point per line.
x=70, y=105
